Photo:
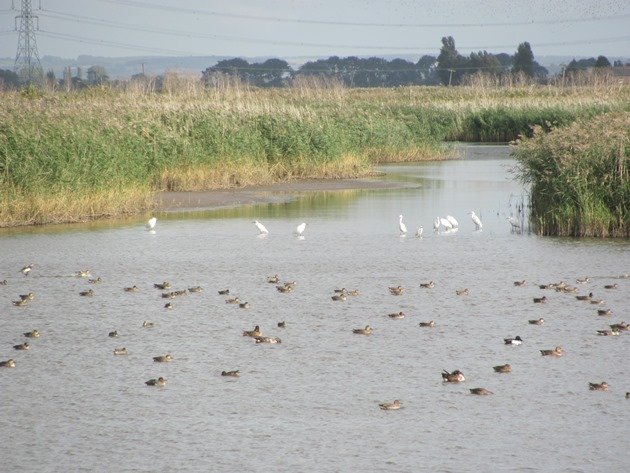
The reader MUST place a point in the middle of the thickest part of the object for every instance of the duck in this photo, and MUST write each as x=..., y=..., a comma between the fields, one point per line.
x=88, y=293
x=544, y=286
x=453, y=377
x=4, y=282
x=120, y=351
x=181, y=292
x=253, y=333
x=168, y=305
x=513, y=341
x=397, y=315
x=603, y=386
x=233, y=374
x=195, y=289
x=597, y=301
x=27, y=269
x=367, y=330
x=555, y=352
x=390, y=406
x=567, y=289
x=539, y=321
x=22, y=346
x=20, y=303
x=273, y=279
x=506, y=368
x=131, y=289
x=30, y=296
x=10, y=363
x=587, y=297
x=583, y=280
x=608, y=333
x=284, y=288
x=97, y=280
x=31, y=334
x=621, y=326
x=480, y=391
x=244, y=305
x=282, y=324
x=162, y=286
x=233, y=300
x=339, y=297
x=163, y=358
x=224, y=292
x=147, y=324
x=156, y=382
x=540, y=300
x=82, y=273
x=290, y=284
x=396, y=291
x=428, y=285
x=268, y=340
x=520, y=283
x=611, y=286
x=604, y=311
x=427, y=324
x=462, y=292
x=113, y=334
x=343, y=290
x=354, y=292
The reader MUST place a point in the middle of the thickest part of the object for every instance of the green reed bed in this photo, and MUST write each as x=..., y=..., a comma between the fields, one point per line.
x=102, y=152
x=579, y=176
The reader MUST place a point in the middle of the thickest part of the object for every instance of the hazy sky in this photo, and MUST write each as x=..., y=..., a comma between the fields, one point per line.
x=321, y=28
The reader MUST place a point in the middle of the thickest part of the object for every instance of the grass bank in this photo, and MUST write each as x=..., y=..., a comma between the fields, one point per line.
x=101, y=152
x=580, y=177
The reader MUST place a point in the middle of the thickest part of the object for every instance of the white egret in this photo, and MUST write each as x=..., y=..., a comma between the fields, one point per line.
x=446, y=224
x=436, y=224
x=476, y=221
x=401, y=226
x=151, y=223
x=261, y=227
x=452, y=220
x=300, y=229
x=514, y=222
x=419, y=232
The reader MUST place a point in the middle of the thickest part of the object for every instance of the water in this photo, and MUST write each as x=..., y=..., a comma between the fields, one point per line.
x=311, y=403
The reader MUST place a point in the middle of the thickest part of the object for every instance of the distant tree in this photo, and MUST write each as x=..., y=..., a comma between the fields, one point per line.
x=427, y=68
x=271, y=73
x=97, y=75
x=451, y=64
x=231, y=67
x=618, y=63
x=401, y=72
x=484, y=63
x=8, y=79
x=602, y=61
x=506, y=60
x=524, y=62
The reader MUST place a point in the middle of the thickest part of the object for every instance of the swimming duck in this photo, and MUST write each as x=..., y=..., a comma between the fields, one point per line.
x=4, y=282
x=26, y=269
x=284, y=289
x=268, y=340
x=253, y=333
x=131, y=289
x=195, y=289
x=506, y=368
x=95, y=281
x=520, y=283
x=354, y=292
x=621, y=326
x=163, y=358
x=513, y=341
x=10, y=363
x=163, y=286
x=156, y=382
x=340, y=291
x=557, y=284
x=539, y=321
x=480, y=391
x=363, y=331
x=82, y=273
x=120, y=351
x=224, y=292
x=453, y=377
x=290, y=284
x=628, y=395
x=30, y=296
x=428, y=285
x=607, y=333
x=396, y=291
x=604, y=311
x=31, y=334
x=22, y=346
x=233, y=300
x=20, y=303
x=390, y=406
x=583, y=280
x=597, y=301
x=339, y=297
x=540, y=300
x=566, y=289
x=168, y=305
x=427, y=324
x=181, y=292
x=603, y=386
x=611, y=286
x=544, y=286
x=147, y=324
x=463, y=292
x=168, y=295
x=555, y=352
x=244, y=305
x=113, y=334
x=234, y=374
x=88, y=293
x=397, y=315
x=587, y=297
x=282, y=324
x=273, y=279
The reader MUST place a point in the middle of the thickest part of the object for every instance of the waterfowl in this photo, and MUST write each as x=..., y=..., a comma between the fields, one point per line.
x=539, y=321
x=113, y=334
x=397, y=315
x=463, y=292
x=156, y=382
x=513, y=341
x=31, y=334
x=244, y=305
x=540, y=300
x=343, y=290
x=120, y=351
x=453, y=377
x=233, y=300
x=480, y=391
x=354, y=292
x=476, y=221
x=261, y=228
x=611, y=286
x=583, y=280
x=604, y=311
x=628, y=395
x=224, y=292
x=402, y=228
x=150, y=225
x=195, y=289
x=97, y=280
x=22, y=346
x=253, y=333
x=131, y=289
x=82, y=273
x=147, y=324
x=20, y=303
x=587, y=297
x=163, y=358
x=555, y=352
x=428, y=285
x=26, y=269
x=268, y=340
x=299, y=230
x=282, y=324
x=621, y=326
x=419, y=232
x=557, y=284
x=506, y=368
x=162, y=286
x=4, y=282
x=30, y=296
x=273, y=279
x=88, y=293
x=427, y=324
x=290, y=284
x=520, y=283
x=603, y=386
x=396, y=291
x=233, y=374
x=607, y=333
x=10, y=363
x=284, y=288
x=181, y=292
x=168, y=305
x=390, y=406
x=367, y=330
x=339, y=297
x=567, y=289
x=544, y=286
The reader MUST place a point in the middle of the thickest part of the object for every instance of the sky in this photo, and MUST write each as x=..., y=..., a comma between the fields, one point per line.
x=319, y=28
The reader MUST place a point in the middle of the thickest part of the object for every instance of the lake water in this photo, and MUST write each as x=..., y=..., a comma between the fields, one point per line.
x=311, y=402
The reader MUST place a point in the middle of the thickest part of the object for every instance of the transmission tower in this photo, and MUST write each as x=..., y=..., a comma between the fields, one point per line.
x=27, y=65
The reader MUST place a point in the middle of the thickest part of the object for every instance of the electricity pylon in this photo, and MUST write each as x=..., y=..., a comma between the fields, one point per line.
x=27, y=65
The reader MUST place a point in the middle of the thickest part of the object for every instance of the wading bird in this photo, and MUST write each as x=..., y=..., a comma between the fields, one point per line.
x=452, y=221
x=401, y=226
x=476, y=220
x=151, y=223
x=261, y=228
x=300, y=229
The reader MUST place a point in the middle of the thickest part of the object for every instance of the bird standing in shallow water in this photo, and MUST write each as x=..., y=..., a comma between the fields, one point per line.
x=299, y=230
x=476, y=221
x=419, y=232
x=401, y=226
x=151, y=223
x=261, y=228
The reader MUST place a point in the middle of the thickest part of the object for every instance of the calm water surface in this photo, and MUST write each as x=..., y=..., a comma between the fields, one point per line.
x=311, y=403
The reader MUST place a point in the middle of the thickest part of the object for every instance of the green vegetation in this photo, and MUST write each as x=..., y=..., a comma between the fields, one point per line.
x=102, y=152
x=580, y=177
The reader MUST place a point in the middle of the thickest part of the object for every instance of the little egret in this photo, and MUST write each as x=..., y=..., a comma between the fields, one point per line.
x=300, y=229
x=151, y=223
x=436, y=224
x=261, y=227
x=446, y=224
x=452, y=220
x=476, y=221
x=401, y=226
x=514, y=222
x=419, y=232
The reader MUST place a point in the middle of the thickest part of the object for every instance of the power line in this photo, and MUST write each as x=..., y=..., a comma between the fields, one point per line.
x=140, y=4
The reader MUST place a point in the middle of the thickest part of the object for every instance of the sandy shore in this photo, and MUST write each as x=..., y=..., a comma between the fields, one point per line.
x=274, y=193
